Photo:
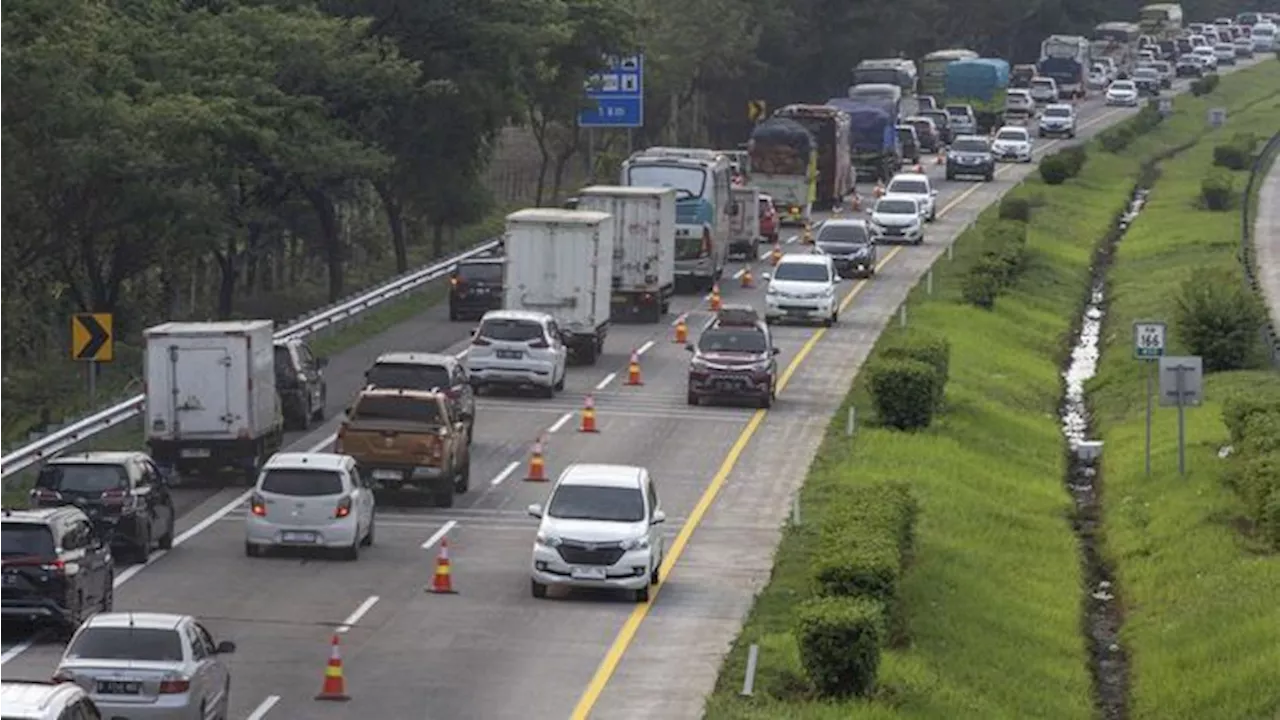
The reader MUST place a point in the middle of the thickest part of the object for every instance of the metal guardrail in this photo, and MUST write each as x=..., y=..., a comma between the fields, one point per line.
x=60, y=440
x=1261, y=164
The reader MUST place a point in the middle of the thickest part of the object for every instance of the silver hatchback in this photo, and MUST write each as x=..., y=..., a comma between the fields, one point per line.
x=149, y=666
x=310, y=500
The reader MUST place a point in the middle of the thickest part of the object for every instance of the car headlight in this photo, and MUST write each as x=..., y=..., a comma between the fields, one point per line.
x=548, y=540
x=639, y=543
x=771, y=291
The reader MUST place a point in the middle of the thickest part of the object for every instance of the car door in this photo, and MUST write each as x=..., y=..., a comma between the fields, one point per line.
x=655, y=531
x=363, y=500
x=557, y=347
x=209, y=677
x=462, y=387
x=82, y=549
x=311, y=374
x=162, y=511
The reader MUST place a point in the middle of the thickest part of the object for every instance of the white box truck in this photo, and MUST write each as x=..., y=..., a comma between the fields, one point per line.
x=644, y=251
x=560, y=262
x=211, y=400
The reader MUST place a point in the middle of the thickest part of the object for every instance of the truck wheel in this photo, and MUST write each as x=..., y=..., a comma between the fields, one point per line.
x=588, y=353
x=537, y=589
x=559, y=386
x=547, y=391
x=444, y=496
x=462, y=482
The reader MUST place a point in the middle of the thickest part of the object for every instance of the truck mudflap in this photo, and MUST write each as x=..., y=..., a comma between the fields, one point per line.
x=640, y=306
x=200, y=457
x=585, y=346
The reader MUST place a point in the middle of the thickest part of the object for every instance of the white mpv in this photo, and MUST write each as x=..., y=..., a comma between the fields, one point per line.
x=802, y=287
x=517, y=348
x=897, y=218
x=310, y=500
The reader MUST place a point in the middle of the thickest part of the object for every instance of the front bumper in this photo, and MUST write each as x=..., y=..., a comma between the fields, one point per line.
x=981, y=168
x=1051, y=130
x=630, y=572
x=163, y=707
x=514, y=374
x=910, y=234
x=712, y=384
x=1122, y=101
x=861, y=266
x=1021, y=155
x=341, y=533
x=778, y=308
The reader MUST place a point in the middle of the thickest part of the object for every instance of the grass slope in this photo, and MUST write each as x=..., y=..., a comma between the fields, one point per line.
x=1203, y=608
x=993, y=598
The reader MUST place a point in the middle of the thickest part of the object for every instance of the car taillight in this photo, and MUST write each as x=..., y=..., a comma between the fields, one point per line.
x=539, y=344
x=49, y=566
x=45, y=495
x=114, y=497
x=480, y=342
x=258, y=506
x=344, y=507
x=174, y=685
x=62, y=677
x=454, y=281
x=436, y=450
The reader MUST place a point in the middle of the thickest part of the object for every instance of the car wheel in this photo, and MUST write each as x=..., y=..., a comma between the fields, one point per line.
x=368, y=536
x=444, y=497
x=655, y=573
x=560, y=382
x=537, y=589
x=317, y=414
x=950, y=175
x=141, y=550
x=766, y=400
x=548, y=391
x=835, y=317
x=251, y=550
x=990, y=176
x=642, y=595
x=166, y=540
x=453, y=314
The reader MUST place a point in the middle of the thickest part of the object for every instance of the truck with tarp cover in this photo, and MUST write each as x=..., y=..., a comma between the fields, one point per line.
x=886, y=96
x=933, y=69
x=830, y=127
x=1163, y=21
x=1117, y=41
x=784, y=165
x=873, y=139
x=981, y=83
x=1066, y=59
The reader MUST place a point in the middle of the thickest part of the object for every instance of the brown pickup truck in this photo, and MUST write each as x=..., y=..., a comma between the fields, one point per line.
x=408, y=440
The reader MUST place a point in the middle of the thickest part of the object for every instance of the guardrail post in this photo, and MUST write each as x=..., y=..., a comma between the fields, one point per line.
x=749, y=680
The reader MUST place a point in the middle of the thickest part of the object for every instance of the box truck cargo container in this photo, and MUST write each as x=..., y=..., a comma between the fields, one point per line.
x=644, y=250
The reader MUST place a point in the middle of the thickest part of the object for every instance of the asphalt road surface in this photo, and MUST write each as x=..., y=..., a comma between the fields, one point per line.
x=725, y=477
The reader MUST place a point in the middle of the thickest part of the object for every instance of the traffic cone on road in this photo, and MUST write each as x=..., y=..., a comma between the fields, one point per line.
x=855, y=202
x=334, y=686
x=747, y=280
x=537, y=467
x=588, y=416
x=682, y=330
x=442, y=581
x=633, y=368
x=940, y=158
x=918, y=168
x=807, y=237
x=775, y=255
x=715, y=297
x=879, y=191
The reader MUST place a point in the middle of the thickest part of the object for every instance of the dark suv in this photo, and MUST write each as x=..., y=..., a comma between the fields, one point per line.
x=971, y=155
x=124, y=494
x=475, y=288
x=734, y=358
x=300, y=383
x=851, y=246
x=57, y=569
x=427, y=371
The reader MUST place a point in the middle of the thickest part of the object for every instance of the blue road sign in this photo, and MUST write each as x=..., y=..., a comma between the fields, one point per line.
x=616, y=96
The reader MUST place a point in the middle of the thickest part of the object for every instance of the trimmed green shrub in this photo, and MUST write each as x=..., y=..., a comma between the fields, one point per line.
x=1075, y=157
x=1257, y=478
x=1116, y=139
x=1261, y=432
x=1054, y=170
x=1217, y=190
x=1146, y=120
x=904, y=393
x=1230, y=156
x=865, y=546
x=839, y=641
x=1218, y=319
x=980, y=287
x=929, y=348
x=1269, y=521
x=1015, y=208
x=1239, y=409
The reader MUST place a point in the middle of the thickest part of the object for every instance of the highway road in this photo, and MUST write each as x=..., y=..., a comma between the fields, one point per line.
x=725, y=477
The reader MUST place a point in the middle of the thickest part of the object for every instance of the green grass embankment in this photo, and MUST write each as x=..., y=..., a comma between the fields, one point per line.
x=992, y=599
x=1202, y=599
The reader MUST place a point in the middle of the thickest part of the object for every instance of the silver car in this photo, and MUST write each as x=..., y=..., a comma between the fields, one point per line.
x=149, y=666
x=310, y=500
x=518, y=348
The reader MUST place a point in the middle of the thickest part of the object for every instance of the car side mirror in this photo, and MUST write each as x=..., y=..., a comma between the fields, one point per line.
x=535, y=510
x=766, y=275
x=777, y=351
x=659, y=517
x=934, y=192
x=475, y=331
x=226, y=647
x=322, y=362
x=688, y=347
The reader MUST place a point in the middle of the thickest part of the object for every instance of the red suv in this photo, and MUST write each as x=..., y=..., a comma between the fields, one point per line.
x=768, y=219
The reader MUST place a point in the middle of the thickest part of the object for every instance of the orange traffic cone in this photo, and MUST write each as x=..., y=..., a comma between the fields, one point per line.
x=918, y=168
x=940, y=158
x=334, y=687
x=747, y=280
x=855, y=202
x=775, y=256
x=807, y=236
x=715, y=297
x=537, y=467
x=442, y=581
x=633, y=367
x=879, y=191
x=682, y=331
x=588, y=415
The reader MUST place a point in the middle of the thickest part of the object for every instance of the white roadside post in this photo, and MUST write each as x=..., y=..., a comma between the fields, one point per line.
x=1148, y=347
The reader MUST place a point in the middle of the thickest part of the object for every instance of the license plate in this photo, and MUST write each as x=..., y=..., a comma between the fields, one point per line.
x=387, y=475
x=509, y=354
x=195, y=453
x=298, y=537
x=119, y=687
x=587, y=573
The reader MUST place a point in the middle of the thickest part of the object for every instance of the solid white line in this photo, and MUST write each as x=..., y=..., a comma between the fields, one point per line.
x=15, y=651
x=607, y=379
x=506, y=471
x=360, y=612
x=739, y=273
x=559, y=423
x=792, y=239
x=444, y=530
x=263, y=708
x=323, y=443
x=644, y=348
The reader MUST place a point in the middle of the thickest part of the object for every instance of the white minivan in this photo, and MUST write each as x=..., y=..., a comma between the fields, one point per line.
x=515, y=348
x=803, y=288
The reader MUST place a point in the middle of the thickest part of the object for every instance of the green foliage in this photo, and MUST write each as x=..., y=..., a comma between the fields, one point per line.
x=1015, y=208
x=1075, y=157
x=905, y=393
x=1241, y=409
x=1054, y=170
x=1218, y=319
x=931, y=349
x=1205, y=85
x=866, y=544
x=1000, y=264
x=1217, y=190
x=1237, y=153
x=839, y=641
x=1118, y=138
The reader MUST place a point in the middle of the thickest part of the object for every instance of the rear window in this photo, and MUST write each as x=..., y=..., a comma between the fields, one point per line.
x=26, y=539
x=1014, y=135
x=401, y=409
x=510, y=330
x=843, y=235
x=732, y=340
x=302, y=483
x=909, y=187
x=1042, y=83
x=125, y=643
x=83, y=478
x=972, y=145
x=960, y=112
x=481, y=272
x=408, y=376
x=896, y=207
x=938, y=117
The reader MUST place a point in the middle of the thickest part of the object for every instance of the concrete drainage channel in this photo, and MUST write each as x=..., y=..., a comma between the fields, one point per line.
x=1102, y=615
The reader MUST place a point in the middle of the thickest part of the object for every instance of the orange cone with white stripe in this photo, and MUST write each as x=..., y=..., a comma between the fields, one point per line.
x=775, y=255
x=537, y=467
x=442, y=581
x=588, y=416
x=715, y=297
x=918, y=167
x=940, y=158
x=682, y=330
x=335, y=686
x=879, y=191
x=855, y=202
x=747, y=280
x=633, y=367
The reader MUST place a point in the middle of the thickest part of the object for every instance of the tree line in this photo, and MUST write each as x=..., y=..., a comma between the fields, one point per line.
x=160, y=149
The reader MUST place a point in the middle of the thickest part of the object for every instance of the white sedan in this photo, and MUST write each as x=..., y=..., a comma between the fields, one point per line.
x=1122, y=92
x=1012, y=144
x=916, y=185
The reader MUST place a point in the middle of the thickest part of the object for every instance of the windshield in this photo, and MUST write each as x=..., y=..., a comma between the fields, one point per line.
x=880, y=76
x=92, y=479
x=510, y=330
x=958, y=112
x=972, y=145
x=589, y=502
x=909, y=187
x=843, y=235
x=21, y=539
x=740, y=340
x=939, y=117
x=1013, y=135
x=302, y=483
x=896, y=207
x=802, y=272
x=1122, y=85
x=408, y=376
x=1042, y=84
x=127, y=643
x=1057, y=112
x=394, y=407
x=689, y=182
x=1264, y=30
x=481, y=272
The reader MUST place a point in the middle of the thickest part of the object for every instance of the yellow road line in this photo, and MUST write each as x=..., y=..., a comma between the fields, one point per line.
x=632, y=625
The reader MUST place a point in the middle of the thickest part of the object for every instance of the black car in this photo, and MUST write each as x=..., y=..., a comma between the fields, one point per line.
x=1189, y=66
x=300, y=383
x=971, y=155
x=734, y=359
x=942, y=121
x=427, y=371
x=476, y=288
x=1147, y=81
x=850, y=246
x=909, y=142
x=123, y=493
x=57, y=569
